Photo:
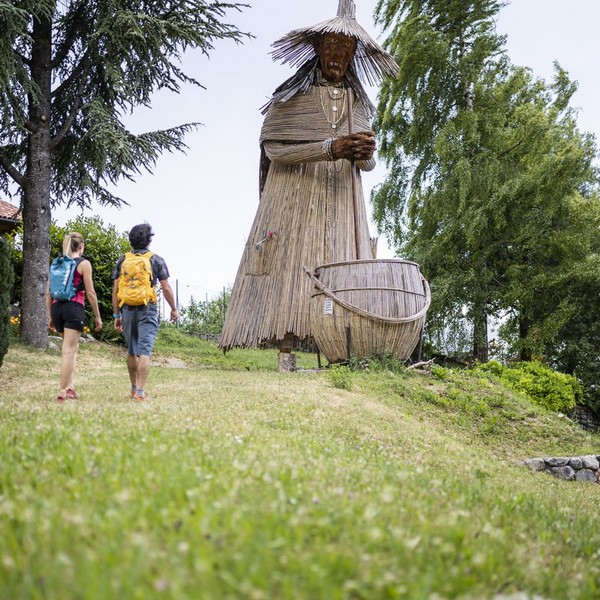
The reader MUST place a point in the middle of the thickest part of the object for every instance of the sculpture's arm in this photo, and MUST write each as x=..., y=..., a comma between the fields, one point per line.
x=358, y=147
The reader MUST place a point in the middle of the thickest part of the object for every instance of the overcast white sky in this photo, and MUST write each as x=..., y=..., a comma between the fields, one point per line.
x=201, y=205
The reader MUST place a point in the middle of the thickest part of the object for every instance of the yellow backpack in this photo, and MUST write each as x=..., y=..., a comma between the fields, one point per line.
x=135, y=282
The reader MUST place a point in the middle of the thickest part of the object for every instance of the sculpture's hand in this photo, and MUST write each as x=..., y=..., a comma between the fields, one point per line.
x=356, y=146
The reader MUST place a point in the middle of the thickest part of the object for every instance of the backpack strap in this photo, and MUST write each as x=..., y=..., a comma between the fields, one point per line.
x=150, y=255
x=81, y=284
x=123, y=262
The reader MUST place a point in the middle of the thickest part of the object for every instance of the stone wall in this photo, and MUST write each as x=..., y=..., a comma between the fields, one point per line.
x=571, y=468
x=585, y=418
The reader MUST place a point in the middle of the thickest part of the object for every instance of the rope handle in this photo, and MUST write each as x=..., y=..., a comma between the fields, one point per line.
x=370, y=315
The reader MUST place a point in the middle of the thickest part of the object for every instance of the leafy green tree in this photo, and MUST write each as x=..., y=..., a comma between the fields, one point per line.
x=69, y=73
x=205, y=317
x=486, y=168
x=562, y=302
x=506, y=225
x=6, y=281
x=443, y=49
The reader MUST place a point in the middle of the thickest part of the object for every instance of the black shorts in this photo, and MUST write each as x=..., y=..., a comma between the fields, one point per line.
x=67, y=315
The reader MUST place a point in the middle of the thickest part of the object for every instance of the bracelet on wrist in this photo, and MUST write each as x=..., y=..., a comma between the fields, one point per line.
x=116, y=316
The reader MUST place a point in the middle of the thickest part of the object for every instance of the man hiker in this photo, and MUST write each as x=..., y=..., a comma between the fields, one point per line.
x=135, y=309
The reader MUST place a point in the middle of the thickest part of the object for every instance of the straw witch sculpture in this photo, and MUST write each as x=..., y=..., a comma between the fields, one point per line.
x=315, y=140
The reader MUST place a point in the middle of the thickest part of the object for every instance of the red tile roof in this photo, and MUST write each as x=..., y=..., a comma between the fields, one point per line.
x=9, y=211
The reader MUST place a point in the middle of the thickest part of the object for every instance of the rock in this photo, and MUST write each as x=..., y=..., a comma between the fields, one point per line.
x=590, y=462
x=536, y=464
x=586, y=475
x=579, y=468
x=565, y=472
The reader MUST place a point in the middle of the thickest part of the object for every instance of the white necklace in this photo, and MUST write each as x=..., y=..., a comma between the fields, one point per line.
x=336, y=95
x=336, y=91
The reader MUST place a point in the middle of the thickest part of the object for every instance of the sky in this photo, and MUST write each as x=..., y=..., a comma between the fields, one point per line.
x=201, y=205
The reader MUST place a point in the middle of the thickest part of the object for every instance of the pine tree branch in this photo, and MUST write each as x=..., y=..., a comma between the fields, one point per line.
x=68, y=122
x=80, y=71
x=12, y=171
x=31, y=126
x=66, y=44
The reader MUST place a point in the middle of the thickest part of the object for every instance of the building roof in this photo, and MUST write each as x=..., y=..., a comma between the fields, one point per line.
x=9, y=211
x=10, y=216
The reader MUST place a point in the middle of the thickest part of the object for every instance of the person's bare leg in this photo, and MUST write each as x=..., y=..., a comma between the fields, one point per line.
x=143, y=370
x=70, y=346
x=132, y=367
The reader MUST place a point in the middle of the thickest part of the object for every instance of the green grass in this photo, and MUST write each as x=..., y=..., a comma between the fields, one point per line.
x=237, y=481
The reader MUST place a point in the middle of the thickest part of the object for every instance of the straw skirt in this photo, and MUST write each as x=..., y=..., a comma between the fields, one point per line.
x=305, y=218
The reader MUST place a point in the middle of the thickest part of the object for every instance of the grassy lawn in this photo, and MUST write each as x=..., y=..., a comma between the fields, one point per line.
x=238, y=482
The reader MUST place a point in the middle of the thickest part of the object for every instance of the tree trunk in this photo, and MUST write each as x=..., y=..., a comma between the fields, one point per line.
x=480, y=335
x=36, y=195
x=525, y=352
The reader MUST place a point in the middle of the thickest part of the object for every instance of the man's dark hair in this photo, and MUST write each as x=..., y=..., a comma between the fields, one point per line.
x=140, y=236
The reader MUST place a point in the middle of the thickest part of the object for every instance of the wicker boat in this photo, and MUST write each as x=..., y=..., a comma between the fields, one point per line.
x=368, y=308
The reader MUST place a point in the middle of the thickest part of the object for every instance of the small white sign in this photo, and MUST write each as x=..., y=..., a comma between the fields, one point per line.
x=328, y=306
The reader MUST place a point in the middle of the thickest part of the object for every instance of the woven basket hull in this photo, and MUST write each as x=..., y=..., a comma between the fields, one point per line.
x=368, y=308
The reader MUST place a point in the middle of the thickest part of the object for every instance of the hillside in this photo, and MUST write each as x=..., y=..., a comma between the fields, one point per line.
x=237, y=481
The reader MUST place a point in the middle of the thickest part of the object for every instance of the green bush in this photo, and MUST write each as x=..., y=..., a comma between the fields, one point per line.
x=550, y=389
x=440, y=372
x=6, y=282
x=205, y=318
x=108, y=334
x=378, y=364
x=340, y=377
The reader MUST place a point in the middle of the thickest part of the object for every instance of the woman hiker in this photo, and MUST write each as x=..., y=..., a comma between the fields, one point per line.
x=67, y=317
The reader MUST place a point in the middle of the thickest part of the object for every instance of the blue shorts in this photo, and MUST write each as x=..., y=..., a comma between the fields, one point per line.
x=140, y=328
x=67, y=315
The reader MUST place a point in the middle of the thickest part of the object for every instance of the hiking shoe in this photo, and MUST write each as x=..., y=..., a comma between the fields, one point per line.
x=72, y=394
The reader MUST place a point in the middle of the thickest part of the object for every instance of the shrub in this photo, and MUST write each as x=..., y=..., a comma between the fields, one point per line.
x=15, y=326
x=340, y=377
x=109, y=334
x=440, y=372
x=550, y=389
x=6, y=282
x=378, y=364
x=205, y=318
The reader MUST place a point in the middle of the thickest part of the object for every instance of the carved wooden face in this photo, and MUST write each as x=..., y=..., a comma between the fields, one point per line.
x=335, y=53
